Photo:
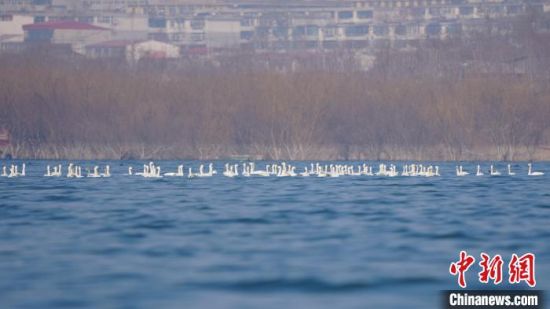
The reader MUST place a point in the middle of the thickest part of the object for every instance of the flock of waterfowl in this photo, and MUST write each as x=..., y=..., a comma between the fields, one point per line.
x=248, y=169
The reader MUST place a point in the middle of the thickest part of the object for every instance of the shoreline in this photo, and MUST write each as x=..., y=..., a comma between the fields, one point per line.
x=277, y=153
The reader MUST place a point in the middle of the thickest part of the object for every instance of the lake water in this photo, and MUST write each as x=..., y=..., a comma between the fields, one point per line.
x=348, y=242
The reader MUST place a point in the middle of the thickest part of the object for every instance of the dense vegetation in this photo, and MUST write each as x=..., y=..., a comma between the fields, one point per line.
x=483, y=97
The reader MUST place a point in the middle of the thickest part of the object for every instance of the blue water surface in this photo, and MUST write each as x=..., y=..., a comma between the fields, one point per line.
x=348, y=242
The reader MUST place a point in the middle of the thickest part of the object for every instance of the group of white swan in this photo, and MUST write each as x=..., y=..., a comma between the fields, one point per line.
x=153, y=171
x=493, y=171
x=13, y=171
x=328, y=170
x=75, y=171
x=282, y=169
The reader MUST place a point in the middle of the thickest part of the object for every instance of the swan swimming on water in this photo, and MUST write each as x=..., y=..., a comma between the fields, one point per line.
x=461, y=172
x=55, y=172
x=479, y=172
x=510, y=170
x=494, y=171
x=531, y=173
x=190, y=174
x=95, y=173
x=281, y=169
x=48, y=172
x=179, y=173
x=106, y=171
x=228, y=172
x=263, y=173
x=210, y=172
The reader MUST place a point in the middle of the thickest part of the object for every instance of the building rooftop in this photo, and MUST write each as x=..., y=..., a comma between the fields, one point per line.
x=116, y=43
x=62, y=25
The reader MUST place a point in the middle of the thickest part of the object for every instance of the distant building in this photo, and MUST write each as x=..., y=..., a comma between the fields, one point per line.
x=222, y=32
x=75, y=34
x=271, y=25
x=11, y=24
x=133, y=51
x=11, y=31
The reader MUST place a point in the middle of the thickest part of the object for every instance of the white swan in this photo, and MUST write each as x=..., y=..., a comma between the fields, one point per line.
x=190, y=174
x=179, y=173
x=381, y=170
x=227, y=172
x=393, y=171
x=56, y=171
x=95, y=173
x=210, y=172
x=352, y=172
x=145, y=171
x=431, y=171
x=531, y=173
x=211, y=169
x=510, y=170
x=263, y=173
x=405, y=171
x=281, y=171
x=461, y=172
x=230, y=171
x=321, y=172
x=48, y=172
x=13, y=171
x=292, y=171
x=106, y=172
x=246, y=170
x=79, y=172
x=479, y=172
x=494, y=171
x=70, y=172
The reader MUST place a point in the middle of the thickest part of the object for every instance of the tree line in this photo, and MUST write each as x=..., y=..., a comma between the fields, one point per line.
x=482, y=97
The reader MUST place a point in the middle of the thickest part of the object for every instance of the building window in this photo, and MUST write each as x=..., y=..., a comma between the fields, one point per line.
x=41, y=35
x=105, y=19
x=280, y=32
x=345, y=14
x=299, y=31
x=466, y=10
x=246, y=35
x=433, y=29
x=329, y=32
x=454, y=28
x=380, y=30
x=514, y=9
x=364, y=14
x=311, y=30
x=197, y=37
x=155, y=22
x=163, y=37
x=6, y=17
x=197, y=24
x=86, y=19
x=400, y=30
x=357, y=30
